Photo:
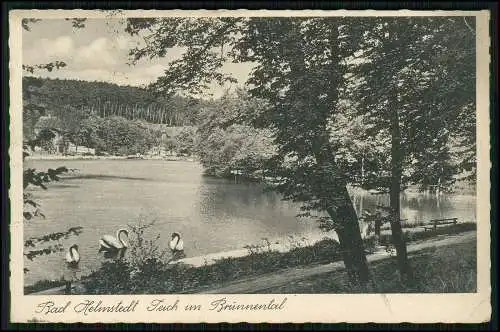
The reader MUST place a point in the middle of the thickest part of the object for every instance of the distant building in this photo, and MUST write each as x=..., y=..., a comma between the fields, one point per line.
x=80, y=149
x=158, y=151
x=52, y=142
x=56, y=142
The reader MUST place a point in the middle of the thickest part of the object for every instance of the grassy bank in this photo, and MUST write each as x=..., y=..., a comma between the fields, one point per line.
x=413, y=236
x=43, y=285
x=151, y=274
x=448, y=269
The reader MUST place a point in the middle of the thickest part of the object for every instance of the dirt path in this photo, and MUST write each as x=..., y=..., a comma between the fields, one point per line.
x=276, y=279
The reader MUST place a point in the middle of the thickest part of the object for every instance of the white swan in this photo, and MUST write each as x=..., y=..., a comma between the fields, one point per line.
x=111, y=243
x=176, y=244
x=72, y=256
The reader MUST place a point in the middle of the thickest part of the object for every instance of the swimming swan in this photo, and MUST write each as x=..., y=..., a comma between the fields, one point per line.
x=176, y=244
x=72, y=256
x=111, y=243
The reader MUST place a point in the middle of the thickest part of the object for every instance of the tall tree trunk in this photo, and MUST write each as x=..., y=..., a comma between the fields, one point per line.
x=377, y=227
x=343, y=212
x=157, y=114
x=395, y=190
x=351, y=243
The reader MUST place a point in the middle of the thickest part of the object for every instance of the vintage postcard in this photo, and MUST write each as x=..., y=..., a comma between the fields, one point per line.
x=249, y=166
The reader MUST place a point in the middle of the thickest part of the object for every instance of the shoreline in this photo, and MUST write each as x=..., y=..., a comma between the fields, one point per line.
x=289, y=278
x=445, y=233
x=58, y=157
x=281, y=247
x=411, y=190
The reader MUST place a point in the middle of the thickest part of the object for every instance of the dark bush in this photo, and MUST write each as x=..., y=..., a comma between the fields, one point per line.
x=43, y=285
x=112, y=278
x=153, y=275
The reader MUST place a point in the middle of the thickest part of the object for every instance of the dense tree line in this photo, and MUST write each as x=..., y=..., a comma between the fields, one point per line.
x=108, y=117
x=117, y=135
x=74, y=99
x=81, y=118
x=408, y=83
x=225, y=143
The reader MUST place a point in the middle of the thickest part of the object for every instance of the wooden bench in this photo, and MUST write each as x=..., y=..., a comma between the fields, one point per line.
x=434, y=223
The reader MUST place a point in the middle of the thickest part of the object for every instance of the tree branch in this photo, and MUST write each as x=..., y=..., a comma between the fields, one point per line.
x=468, y=26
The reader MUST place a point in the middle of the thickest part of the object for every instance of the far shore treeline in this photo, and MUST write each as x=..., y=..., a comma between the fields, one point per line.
x=125, y=120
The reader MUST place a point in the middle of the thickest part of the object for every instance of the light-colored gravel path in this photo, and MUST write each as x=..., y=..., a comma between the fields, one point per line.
x=280, y=278
x=276, y=279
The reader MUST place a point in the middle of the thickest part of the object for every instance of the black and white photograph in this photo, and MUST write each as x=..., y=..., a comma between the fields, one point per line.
x=208, y=154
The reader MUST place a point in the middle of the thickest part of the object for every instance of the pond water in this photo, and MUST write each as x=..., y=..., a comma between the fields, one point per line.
x=213, y=215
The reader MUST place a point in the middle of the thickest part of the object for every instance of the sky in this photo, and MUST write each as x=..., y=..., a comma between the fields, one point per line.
x=99, y=52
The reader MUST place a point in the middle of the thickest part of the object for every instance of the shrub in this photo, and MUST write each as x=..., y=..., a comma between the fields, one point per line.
x=43, y=285
x=147, y=270
x=140, y=272
x=113, y=277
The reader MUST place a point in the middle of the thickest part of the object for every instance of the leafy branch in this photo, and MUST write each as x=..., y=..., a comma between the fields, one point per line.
x=46, y=66
x=33, y=241
x=45, y=251
x=38, y=178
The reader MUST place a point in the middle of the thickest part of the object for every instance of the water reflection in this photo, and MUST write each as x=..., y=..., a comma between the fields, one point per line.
x=104, y=177
x=213, y=215
x=223, y=199
x=417, y=207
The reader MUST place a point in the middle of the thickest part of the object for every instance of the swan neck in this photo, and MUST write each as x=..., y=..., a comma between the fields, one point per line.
x=118, y=236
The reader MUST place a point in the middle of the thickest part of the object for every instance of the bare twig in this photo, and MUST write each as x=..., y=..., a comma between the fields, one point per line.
x=468, y=26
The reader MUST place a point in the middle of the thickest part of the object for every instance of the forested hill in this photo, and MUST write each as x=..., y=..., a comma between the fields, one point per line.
x=107, y=99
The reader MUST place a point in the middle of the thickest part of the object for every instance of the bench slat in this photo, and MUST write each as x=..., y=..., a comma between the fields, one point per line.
x=445, y=219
